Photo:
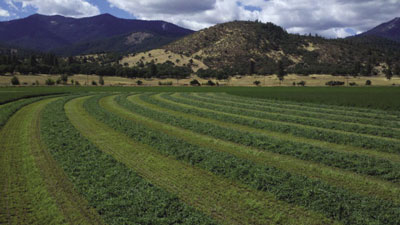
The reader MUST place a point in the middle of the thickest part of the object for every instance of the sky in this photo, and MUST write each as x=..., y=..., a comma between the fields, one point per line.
x=329, y=18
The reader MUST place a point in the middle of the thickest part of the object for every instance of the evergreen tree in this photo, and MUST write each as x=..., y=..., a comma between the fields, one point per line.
x=32, y=61
x=357, y=68
x=101, y=80
x=388, y=73
x=14, y=80
x=281, y=71
x=252, y=67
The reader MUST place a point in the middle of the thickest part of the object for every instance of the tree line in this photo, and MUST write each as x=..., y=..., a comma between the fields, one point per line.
x=106, y=65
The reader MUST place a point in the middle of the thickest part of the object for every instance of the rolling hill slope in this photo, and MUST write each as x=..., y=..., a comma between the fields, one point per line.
x=243, y=47
x=86, y=35
x=389, y=30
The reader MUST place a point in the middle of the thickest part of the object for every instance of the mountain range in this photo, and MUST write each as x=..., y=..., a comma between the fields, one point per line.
x=244, y=47
x=70, y=36
x=389, y=30
x=238, y=47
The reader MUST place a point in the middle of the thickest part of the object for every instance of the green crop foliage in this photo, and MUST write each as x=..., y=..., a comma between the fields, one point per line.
x=276, y=155
x=118, y=194
x=7, y=110
x=391, y=146
x=384, y=98
x=361, y=164
x=300, y=190
x=219, y=106
x=316, y=111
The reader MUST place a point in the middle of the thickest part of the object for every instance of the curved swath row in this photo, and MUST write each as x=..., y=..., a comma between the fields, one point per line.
x=296, y=129
x=302, y=117
x=180, y=158
x=315, y=111
x=332, y=109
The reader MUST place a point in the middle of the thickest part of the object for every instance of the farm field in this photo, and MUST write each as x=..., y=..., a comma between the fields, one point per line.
x=199, y=156
x=383, y=98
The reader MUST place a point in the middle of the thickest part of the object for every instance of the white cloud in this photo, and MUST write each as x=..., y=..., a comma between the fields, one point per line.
x=330, y=18
x=11, y=4
x=4, y=13
x=71, y=8
x=193, y=14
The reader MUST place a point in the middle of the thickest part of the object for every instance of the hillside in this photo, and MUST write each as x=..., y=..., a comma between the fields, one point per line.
x=258, y=48
x=389, y=30
x=87, y=35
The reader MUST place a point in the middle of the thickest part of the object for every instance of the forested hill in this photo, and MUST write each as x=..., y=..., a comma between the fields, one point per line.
x=234, y=48
x=389, y=30
x=258, y=48
x=70, y=36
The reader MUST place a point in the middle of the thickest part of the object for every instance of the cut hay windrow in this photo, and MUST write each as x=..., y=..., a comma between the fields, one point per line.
x=338, y=137
x=304, y=111
x=7, y=110
x=328, y=109
x=227, y=201
x=34, y=189
x=312, y=194
x=197, y=158
x=367, y=165
x=117, y=193
x=120, y=106
x=249, y=110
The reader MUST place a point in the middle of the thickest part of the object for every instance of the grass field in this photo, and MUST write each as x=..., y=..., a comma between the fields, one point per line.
x=199, y=156
x=384, y=98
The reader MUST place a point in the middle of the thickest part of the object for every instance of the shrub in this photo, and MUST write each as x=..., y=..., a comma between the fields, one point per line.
x=368, y=82
x=334, y=83
x=257, y=82
x=64, y=78
x=211, y=83
x=14, y=80
x=195, y=82
x=353, y=84
x=101, y=80
x=139, y=82
x=302, y=83
x=50, y=81
x=94, y=83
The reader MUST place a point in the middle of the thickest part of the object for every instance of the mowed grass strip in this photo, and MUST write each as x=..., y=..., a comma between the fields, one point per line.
x=356, y=183
x=117, y=193
x=329, y=109
x=167, y=105
x=335, y=136
x=34, y=190
x=253, y=102
x=247, y=102
x=282, y=116
x=377, y=167
x=228, y=202
x=7, y=110
x=299, y=190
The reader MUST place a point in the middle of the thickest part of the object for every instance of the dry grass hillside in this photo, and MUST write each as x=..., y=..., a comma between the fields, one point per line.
x=251, y=47
x=162, y=56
